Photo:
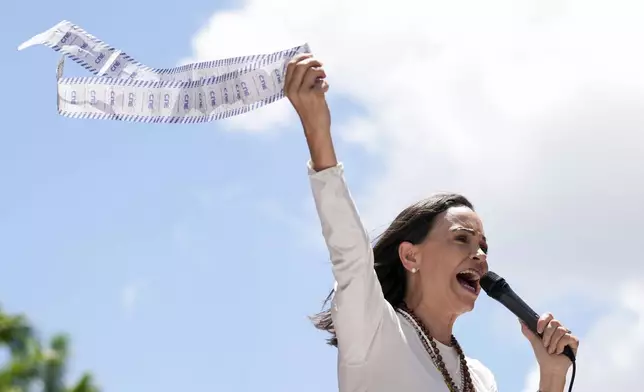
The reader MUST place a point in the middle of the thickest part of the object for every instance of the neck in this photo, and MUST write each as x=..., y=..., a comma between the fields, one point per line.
x=436, y=320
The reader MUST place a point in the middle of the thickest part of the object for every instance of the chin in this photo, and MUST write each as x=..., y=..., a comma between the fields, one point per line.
x=465, y=306
x=466, y=298
x=469, y=307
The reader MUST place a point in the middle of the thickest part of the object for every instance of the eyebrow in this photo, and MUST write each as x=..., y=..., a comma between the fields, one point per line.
x=467, y=229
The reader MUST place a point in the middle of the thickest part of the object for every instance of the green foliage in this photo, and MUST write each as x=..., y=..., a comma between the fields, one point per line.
x=33, y=367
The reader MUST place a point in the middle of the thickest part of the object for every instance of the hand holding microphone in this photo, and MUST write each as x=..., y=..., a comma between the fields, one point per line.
x=548, y=337
x=552, y=340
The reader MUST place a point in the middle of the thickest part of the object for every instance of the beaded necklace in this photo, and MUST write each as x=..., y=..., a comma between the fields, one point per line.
x=434, y=353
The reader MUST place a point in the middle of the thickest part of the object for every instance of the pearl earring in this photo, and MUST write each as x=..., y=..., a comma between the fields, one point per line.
x=413, y=270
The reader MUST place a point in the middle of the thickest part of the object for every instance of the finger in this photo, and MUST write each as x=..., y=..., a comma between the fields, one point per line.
x=543, y=321
x=299, y=72
x=549, y=332
x=563, y=342
x=532, y=338
x=321, y=86
x=568, y=340
x=557, y=336
x=311, y=77
x=291, y=66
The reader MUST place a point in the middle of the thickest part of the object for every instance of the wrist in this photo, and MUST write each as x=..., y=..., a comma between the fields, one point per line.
x=551, y=381
x=316, y=130
x=321, y=147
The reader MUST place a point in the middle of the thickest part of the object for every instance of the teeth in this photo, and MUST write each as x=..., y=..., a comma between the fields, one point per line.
x=469, y=279
x=471, y=273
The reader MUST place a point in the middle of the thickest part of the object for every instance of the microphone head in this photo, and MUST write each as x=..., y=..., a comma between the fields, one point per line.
x=493, y=284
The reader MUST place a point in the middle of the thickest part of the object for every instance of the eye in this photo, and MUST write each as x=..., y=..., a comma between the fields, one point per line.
x=483, y=247
x=463, y=238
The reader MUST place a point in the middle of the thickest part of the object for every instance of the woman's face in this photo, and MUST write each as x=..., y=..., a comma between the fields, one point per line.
x=452, y=259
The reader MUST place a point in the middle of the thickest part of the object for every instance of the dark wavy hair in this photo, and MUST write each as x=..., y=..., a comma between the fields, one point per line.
x=411, y=225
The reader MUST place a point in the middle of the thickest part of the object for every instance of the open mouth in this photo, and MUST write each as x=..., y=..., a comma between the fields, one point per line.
x=469, y=280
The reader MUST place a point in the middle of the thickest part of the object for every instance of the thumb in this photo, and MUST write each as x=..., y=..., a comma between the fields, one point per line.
x=534, y=339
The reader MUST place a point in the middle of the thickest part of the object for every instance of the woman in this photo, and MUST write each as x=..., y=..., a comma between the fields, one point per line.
x=393, y=306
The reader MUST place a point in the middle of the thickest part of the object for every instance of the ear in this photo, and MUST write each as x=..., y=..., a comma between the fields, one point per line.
x=407, y=254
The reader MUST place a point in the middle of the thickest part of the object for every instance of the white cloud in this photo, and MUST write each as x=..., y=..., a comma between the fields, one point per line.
x=534, y=109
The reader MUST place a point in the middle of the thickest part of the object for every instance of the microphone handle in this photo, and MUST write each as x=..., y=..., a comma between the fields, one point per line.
x=520, y=309
x=525, y=313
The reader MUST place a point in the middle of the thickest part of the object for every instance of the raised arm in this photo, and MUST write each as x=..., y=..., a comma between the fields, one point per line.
x=305, y=86
x=358, y=304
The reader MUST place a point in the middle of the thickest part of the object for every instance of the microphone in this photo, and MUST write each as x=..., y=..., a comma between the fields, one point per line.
x=497, y=288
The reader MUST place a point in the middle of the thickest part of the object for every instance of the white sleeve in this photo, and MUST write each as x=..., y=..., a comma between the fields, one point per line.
x=358, y=305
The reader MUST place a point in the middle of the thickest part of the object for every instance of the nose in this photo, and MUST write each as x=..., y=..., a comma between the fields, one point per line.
x=479, y=255
x=481, y=258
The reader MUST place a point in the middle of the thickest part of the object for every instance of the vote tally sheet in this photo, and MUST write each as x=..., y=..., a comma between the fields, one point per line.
x=124, y=89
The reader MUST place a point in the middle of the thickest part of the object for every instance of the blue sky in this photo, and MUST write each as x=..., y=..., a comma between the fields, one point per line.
x=180, y=257
x=201, y=225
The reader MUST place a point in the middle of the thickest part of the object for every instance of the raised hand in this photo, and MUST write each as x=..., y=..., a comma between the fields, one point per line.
x=305, y=86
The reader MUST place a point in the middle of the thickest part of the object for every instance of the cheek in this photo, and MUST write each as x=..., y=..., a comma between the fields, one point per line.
x=437, y=258
x=443, y=258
